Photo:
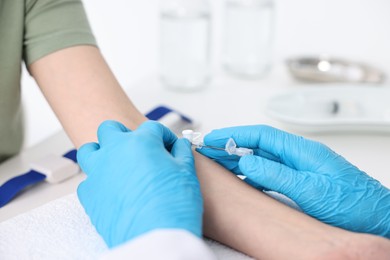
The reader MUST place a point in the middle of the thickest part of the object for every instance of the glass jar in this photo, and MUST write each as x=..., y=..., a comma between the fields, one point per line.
x=248, y=37
x=185, y=44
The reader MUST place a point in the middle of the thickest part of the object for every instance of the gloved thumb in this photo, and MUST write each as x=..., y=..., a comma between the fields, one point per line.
x=271, y=175
x=107, y=131
x=182, y=151
x=168, y=137
x=84, y=154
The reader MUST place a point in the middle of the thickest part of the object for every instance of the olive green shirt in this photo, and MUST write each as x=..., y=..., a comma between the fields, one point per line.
x=29, y=30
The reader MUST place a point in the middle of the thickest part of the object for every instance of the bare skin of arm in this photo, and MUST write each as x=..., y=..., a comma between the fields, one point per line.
x=249, y=221
x=83, y=92
x=235, y=214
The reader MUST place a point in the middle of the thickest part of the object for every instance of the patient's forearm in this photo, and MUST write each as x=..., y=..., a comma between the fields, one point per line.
x=250, y=221
x=83, y=92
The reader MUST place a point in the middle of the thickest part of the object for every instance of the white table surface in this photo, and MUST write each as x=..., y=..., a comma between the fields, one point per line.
x=226, y=102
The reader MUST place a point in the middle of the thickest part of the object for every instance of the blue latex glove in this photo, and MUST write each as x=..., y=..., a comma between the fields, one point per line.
x=321, y=182
x=139, y=181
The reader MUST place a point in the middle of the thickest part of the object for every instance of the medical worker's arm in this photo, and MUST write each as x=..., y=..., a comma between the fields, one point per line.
x=321, y=182
x=149, y=200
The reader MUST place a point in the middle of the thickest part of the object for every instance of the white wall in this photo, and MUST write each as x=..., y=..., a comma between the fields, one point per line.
x=127, y=33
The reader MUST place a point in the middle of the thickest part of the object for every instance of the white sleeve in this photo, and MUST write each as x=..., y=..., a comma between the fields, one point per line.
x=174, y=244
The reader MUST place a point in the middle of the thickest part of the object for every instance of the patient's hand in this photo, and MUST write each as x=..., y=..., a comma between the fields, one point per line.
x=321, y=182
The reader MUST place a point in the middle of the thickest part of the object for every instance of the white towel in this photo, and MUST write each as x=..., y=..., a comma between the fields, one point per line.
x=62, y=230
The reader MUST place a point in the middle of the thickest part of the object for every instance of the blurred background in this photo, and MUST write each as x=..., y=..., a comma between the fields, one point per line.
x=128, y=35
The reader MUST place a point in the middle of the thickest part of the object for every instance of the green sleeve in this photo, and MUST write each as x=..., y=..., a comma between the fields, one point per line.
x=51, y=25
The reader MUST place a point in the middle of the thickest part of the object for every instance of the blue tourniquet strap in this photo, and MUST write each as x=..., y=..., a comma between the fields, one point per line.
x=161, y=111
x=17, y=184
x=72, y=155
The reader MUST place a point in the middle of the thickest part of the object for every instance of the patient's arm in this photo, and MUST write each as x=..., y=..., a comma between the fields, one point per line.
x=250, y=221
x=83, y=92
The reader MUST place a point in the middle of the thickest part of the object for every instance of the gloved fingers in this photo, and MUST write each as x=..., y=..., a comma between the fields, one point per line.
x=167, y=136
x=291, y=150
x=107, y=131
x=230, y=164
x=253, y=184
x=271, y=175
x=84, y=191
x=182, y=151
x=220, y=155
x=212, y=153
x=84, y=153
x=244, y=136
x=266, y=155
x=81, y=191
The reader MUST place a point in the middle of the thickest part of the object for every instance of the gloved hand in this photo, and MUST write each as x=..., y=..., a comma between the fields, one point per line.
x=139, y=181
x=321, y=182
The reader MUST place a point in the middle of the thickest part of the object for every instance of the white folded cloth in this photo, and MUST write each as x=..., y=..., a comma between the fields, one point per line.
x=62, y=230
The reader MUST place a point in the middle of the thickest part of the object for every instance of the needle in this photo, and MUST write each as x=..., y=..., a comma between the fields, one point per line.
x=200, y=146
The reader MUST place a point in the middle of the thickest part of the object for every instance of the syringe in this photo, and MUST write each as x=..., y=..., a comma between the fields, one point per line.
x=230, y=147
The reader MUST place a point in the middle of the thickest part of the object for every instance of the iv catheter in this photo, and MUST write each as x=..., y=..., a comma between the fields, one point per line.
x=230, y=147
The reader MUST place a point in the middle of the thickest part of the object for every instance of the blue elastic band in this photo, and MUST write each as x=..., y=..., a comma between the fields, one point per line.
x=161, y=111
x=17, y=184
x=72, y=155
